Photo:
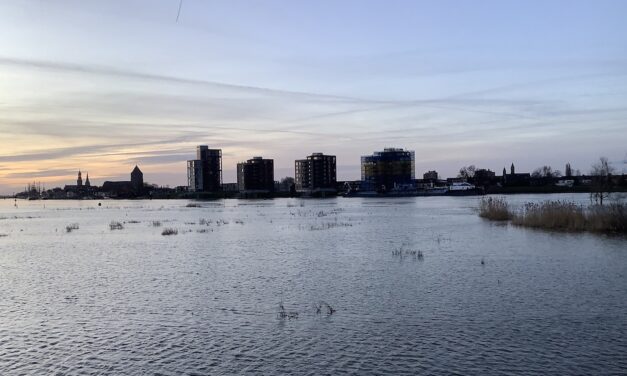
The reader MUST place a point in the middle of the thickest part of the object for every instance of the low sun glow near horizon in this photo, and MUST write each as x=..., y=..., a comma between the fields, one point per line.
x=103, y=86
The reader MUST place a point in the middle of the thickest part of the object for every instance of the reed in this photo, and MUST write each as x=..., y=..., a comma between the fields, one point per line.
x=169, y=231
x=70, y=227
x=552, y=215
x=495, y=209
x=116, y=226
x=608, y=218
x=560, y=215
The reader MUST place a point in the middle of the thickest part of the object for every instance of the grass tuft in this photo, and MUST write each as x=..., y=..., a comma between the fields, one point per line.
x=169, y=231
x=116, y=226
x=70, y=227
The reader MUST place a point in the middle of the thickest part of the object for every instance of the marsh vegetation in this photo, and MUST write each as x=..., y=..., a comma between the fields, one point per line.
x=71, y=227
x=114, y=225
x=559, y=215
x=169, y=231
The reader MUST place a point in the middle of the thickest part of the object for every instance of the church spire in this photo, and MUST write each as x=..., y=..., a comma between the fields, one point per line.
x=79, y=181
x=87, y=183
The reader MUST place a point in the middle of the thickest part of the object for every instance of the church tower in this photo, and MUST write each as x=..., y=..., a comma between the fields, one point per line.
x=87, y=183
x=137, y=180
x=79, y=181
x=512, y=169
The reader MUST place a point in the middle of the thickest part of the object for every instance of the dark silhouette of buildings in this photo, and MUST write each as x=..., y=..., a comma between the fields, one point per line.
x=316, y=173
x=256, y=175
x=484, y=177
x=124, y=189
x=514, y=179
x=388, y=169
x=430, y=175
x=137, y=179
x=568, y=172
x=204, y=174
x=78, y=190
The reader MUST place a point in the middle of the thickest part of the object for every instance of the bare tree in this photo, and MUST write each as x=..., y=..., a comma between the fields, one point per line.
x=546, y=172
x=601, y=174
x=467, y=172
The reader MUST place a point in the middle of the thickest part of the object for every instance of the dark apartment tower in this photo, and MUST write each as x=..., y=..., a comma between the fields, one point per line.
x=256, y=175
x=137, y=180
x=316, y=173
x=204, y=174
x=384, y=170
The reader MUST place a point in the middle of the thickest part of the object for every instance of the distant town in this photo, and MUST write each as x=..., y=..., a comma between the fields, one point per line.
x=386, y=173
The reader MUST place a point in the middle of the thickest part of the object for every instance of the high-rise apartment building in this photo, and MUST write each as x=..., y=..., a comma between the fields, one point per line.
x=204, y=174
x=316, y=173
x=388, y=169
x=256, y=175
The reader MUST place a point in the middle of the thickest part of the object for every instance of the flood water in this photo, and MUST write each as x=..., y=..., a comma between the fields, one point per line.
x=206, y=301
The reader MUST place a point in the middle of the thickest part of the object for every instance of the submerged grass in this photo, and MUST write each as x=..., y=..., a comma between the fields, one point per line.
x=70, y=227
x=114, y=225
x=560, y=215
x=169, y=231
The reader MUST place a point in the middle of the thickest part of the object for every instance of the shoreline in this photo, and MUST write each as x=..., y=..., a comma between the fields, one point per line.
x=237, y=196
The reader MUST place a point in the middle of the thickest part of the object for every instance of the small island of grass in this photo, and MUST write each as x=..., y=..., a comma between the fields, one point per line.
x=559, y=215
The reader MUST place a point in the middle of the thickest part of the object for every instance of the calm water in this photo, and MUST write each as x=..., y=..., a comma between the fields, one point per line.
x=206, y=301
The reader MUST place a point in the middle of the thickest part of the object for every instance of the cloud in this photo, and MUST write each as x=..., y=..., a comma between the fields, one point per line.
x=129, y=74
x=41, y=173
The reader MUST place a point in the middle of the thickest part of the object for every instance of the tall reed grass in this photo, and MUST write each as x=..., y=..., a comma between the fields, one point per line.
x=552, y=215
x=559, y=215
x=495, y=209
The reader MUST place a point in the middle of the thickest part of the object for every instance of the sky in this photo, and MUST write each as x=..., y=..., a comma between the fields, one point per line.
x=101, y=86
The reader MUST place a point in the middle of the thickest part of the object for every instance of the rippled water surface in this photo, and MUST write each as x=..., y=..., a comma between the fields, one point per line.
x=206, y=301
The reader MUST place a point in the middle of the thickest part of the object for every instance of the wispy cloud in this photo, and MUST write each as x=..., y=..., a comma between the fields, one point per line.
x=129, y=74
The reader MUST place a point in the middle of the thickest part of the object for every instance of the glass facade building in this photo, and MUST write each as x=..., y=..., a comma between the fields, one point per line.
x=388, y=169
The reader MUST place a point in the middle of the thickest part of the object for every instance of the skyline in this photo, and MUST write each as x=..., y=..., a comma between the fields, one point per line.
x=418, y=175
x=102, y=86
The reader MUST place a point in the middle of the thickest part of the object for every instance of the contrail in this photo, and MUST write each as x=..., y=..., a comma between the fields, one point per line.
x=179, y=12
